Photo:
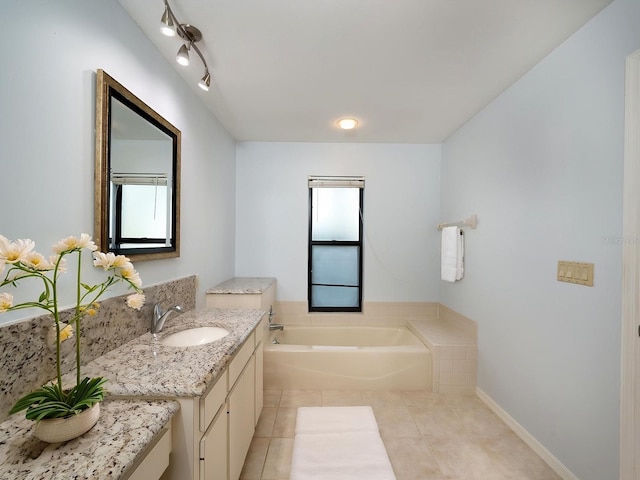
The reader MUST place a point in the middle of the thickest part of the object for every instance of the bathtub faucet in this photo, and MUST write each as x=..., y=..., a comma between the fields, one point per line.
x=273, y=326
x=159, y=317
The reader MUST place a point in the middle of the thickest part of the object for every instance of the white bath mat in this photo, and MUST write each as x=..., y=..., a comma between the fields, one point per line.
x=338, y=443
x=336, y=420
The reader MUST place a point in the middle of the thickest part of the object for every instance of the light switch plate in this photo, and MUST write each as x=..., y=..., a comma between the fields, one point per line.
x=580, y=273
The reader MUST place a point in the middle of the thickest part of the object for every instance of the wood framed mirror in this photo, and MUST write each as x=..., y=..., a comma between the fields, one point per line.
x=137, y=176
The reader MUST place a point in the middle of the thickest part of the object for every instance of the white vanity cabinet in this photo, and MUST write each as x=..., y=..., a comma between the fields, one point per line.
x=212, y=433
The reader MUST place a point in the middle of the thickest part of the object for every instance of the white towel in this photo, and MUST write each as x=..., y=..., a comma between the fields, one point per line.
x=335, y=420
x=340, y=456
x=460, y=256
x=452, y=266
x=339, y=443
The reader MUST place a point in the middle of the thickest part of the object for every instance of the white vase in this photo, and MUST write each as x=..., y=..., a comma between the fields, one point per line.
x=56, y=430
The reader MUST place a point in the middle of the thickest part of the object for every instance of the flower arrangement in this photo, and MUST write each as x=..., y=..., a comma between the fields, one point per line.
x=21, y=262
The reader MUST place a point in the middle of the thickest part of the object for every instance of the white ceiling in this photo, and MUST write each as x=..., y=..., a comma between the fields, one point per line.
x=411, y=71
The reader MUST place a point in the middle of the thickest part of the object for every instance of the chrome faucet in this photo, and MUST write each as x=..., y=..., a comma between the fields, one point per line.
x=159, y=317
x=274, y=326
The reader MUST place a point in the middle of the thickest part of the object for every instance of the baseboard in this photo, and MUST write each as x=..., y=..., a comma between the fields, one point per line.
x=527, y=438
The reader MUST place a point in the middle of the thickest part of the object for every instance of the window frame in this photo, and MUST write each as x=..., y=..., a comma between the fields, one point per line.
x=336, y=243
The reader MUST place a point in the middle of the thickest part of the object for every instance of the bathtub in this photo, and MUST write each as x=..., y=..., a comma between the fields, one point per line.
x=346, y=358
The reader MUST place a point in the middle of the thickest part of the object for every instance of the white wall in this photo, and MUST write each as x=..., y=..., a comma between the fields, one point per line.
x=50, y=52
x=401, y=212
x=542, y=167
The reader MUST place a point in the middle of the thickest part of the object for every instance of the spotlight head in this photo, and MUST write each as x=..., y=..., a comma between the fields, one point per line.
x=205, y=82
x=183, y=55
x=167, y=27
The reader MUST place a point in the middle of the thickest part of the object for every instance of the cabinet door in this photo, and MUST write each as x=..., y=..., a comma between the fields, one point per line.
x=241, y=413
x=213, y=449
x=259, y=381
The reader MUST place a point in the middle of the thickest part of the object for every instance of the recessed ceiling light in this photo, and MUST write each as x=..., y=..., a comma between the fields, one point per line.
x=347, y=123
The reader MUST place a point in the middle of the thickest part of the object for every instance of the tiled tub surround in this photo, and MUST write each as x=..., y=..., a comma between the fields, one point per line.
x=114, y=445
x=453, y=341
x=450, y=336
x=374, y=314
x=27, y=361
x=346, y=358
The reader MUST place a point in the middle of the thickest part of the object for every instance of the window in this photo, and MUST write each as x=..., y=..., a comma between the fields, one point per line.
x=335, y=244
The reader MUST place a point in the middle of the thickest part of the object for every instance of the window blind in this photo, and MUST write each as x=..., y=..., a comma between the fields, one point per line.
x=335, y=182
x=159, y=179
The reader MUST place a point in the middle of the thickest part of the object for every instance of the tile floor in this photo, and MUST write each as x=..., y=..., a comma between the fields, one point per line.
x=427, y=436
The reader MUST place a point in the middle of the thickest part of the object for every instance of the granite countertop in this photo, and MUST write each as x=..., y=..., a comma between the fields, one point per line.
x=123, y=431
x=243, y=285
x=146, y=367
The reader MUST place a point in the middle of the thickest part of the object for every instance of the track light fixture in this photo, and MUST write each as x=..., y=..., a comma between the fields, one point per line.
x=190, y=35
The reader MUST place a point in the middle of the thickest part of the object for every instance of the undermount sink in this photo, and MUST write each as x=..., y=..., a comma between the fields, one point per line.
x=194, y=336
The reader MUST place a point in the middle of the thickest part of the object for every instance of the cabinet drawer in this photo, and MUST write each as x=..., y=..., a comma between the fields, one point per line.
x=210, y=403
x=240, y=360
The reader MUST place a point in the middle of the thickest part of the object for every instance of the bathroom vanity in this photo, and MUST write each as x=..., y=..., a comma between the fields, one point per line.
x=218, y=386
x=218, y=426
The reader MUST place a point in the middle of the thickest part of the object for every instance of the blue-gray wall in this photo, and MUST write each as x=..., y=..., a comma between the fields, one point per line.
x=542, y=167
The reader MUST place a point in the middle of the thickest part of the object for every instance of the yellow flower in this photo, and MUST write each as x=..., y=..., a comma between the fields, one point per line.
x=66, y=332
x=74, y=243
x=14, y=252
x=6, y=302
x=91, y=311
x=136, y=301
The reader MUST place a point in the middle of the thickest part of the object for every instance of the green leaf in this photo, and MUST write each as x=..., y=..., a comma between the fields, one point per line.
x=43, y=297
x=88, y=287
x=50, y=402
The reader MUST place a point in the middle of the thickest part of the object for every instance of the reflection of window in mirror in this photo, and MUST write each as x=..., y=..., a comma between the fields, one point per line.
x=141, y=211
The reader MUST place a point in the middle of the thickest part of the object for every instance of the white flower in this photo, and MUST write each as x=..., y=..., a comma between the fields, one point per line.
x=1, y=266
x=131, y=275
x=73, y=243
x=104, y=260
x=62, y=267
x=6, y=302
x=14, y=252
x=109, y=260
x=122, y=262
x=37, y=261
x=136, y=301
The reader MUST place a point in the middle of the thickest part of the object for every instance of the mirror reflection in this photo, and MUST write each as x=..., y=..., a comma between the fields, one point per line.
x=137, y=176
